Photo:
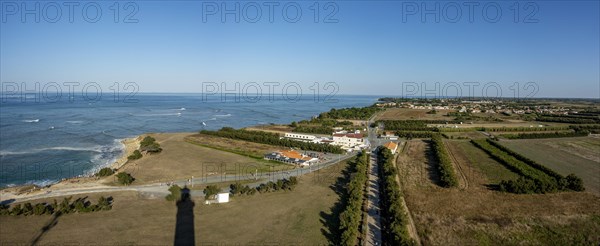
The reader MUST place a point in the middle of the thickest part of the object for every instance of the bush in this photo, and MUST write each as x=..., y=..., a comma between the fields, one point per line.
x=211, y=191
x=125, y=178
x=175, y=193
x=105, y=172
x=574, y=183
x=136, y=155
x=150, y=145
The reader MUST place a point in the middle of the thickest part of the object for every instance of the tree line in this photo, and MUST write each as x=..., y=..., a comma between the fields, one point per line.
x=545, y=135
x=445, y=169
x=567, y=119
x=411, y=135
x=271, y=139
x=350, y=217
x=394, y=217
x=536, y=178
x=80, y=205
x=412, y=125
x=595, y=129
x=353, y=113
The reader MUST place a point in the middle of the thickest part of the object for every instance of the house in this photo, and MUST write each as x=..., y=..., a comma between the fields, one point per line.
x=291, y=157
x=390, y=135
x=391, y=146
x=348, y=140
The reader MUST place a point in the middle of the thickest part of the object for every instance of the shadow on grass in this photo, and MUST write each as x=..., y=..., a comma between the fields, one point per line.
x=331, y=220
x=184, y=227
x=432, y=164
x=53, y=222
x=493, y=187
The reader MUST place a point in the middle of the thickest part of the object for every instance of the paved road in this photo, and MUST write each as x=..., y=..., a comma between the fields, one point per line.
x=161, y=189
x=373, y=217
x=373, y=209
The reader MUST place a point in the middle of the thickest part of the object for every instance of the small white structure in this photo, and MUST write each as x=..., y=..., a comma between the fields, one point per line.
x=223, y=197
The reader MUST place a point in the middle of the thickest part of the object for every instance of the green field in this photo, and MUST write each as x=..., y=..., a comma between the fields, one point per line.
x=493, y=171
x=564, y=155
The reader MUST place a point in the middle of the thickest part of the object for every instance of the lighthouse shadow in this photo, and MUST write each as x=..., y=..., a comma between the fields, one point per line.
x=184, y=227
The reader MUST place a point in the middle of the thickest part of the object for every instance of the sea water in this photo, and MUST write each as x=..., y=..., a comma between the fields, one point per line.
x=44, y=142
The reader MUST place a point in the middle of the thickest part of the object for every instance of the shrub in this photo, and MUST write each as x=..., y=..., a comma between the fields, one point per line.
x=211, y=191
x=135, y=155
x=105, y=172
x=150, y=145
x=175, y=193
x=125, y=178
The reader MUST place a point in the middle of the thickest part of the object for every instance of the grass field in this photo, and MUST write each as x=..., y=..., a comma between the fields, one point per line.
x=564, y=155
x=298, y=217
x=181, y=160
x=492, y=171
x=479, y=216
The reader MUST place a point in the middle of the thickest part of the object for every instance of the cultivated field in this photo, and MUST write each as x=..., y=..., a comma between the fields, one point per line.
x=476, y=215
x=298, y=217
x=565, y=155
x=181, y=160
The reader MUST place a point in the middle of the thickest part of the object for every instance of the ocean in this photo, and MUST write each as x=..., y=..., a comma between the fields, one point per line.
x=46, y=141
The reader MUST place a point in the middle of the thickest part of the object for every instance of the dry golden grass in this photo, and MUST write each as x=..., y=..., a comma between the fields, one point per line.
x=181, y=160
x=279, y=218
x=477, y=215
x=413, y=114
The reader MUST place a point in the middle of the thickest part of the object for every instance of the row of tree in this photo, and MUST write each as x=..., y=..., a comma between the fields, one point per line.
x=350, y=217
x=565, y=119
x=80, y=205
x=542, y=179
x=546, y=135
x=411, y=135
x=595, y=129
x=271, y=139
x=394, y=217
x=445, y=169
x=522, y=129
x=353, y=113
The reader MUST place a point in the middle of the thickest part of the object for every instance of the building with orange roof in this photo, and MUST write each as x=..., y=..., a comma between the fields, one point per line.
x=291, y=157
x=391, y=146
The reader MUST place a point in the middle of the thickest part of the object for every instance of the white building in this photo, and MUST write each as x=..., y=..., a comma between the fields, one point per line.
x=300, y=137
x=348, y=140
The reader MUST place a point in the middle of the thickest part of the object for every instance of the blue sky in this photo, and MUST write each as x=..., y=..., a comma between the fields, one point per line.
x=373, y=48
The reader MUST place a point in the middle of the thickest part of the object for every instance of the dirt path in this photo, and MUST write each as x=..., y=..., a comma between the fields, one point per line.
x=412, y=229
x=465, y=182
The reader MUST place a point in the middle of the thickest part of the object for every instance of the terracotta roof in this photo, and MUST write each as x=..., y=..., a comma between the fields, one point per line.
x=291, y=154
x=391, y=145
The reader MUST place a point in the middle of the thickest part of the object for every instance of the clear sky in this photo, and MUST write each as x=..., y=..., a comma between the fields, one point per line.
x=372, y=48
